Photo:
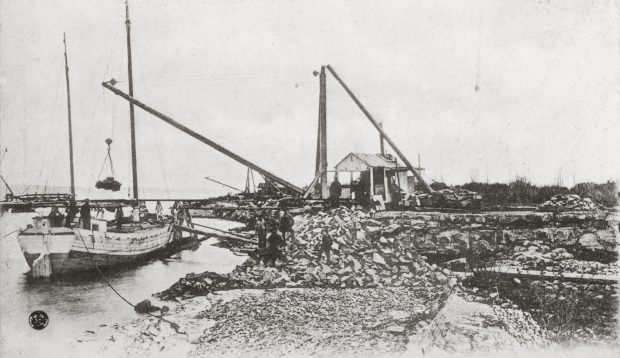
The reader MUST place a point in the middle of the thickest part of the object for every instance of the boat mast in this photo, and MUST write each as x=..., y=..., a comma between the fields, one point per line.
x=64, y=40
x=134, y=166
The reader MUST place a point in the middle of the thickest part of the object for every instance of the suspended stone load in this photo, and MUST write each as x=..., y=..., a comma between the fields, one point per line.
x=109, y=183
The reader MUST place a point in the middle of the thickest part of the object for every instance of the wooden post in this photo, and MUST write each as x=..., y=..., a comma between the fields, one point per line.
x=351, y=195
x=372, y=184
x=386, y=187
x=323, y=133
x=381, y=144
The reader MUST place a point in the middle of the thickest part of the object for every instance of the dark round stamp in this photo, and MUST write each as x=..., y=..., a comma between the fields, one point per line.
x=38, y=320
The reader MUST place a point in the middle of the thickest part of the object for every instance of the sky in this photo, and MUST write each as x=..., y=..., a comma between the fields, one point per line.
x=480, y=89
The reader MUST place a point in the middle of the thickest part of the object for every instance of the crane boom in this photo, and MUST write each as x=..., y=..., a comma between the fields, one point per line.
x=380, y=129
x=202, y=138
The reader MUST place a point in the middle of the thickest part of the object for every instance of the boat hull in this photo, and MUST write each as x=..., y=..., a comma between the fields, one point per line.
x=60, y=251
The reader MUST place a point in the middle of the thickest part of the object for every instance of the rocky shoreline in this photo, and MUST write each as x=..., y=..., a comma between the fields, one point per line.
x=381, y=296
x=324, y=322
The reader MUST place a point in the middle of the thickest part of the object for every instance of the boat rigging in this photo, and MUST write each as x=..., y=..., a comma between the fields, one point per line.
x=109, y=183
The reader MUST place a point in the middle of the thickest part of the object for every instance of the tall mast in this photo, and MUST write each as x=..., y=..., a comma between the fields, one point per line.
x=64, y=40
x=134, y=166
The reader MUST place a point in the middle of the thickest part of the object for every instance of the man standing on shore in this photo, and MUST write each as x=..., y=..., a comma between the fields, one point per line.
x=326, y=245
x=276, y=243
x=286, y=225
x=261, y=231
x=273, y=219
x=335, y=191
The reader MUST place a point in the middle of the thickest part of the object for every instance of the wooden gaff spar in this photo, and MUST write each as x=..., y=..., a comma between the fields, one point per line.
x=202, y=138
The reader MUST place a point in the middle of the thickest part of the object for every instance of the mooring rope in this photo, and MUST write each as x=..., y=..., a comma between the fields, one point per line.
x=174, y=326
x=12, y=232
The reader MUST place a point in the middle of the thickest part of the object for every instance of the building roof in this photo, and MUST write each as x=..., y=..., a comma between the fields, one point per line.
x=363, y=161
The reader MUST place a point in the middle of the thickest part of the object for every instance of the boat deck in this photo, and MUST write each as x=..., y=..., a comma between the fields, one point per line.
x=47, y=230
x=134, y=227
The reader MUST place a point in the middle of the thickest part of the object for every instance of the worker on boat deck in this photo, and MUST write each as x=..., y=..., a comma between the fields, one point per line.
x=159, y=210
x=119, y=216
x=85, y=214
x=276, y=244
x=55, y=217
x=135, y=213
x=71, y=211
x=286, y=225
x=174, y=209
x=326, y=245
x=335, y=191
x=261, y=231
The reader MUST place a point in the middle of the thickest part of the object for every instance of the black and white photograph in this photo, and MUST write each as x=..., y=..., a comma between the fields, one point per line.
x=288, y=178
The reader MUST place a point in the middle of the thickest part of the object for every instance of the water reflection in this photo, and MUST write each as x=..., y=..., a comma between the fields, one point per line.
x=78, y=303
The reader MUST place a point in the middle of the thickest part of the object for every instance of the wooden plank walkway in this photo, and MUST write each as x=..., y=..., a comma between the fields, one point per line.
x=548, y=276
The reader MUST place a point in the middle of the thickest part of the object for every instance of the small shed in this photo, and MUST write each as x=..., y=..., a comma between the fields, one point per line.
x=377, y=177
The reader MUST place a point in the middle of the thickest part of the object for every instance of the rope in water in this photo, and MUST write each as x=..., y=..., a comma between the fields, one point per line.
x=175, y=326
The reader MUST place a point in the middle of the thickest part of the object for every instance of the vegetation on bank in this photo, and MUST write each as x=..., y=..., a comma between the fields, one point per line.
x=522, y=192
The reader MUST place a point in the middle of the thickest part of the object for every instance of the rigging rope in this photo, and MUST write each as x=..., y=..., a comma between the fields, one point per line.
x=107, y=157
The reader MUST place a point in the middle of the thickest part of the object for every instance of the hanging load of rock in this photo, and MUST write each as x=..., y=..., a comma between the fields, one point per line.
x=109, y=183
x=564, y=202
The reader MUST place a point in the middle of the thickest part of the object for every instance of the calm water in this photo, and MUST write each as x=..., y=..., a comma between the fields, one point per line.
x=77, y=304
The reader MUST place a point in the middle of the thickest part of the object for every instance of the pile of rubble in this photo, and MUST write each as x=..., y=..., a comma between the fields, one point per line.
x=364, y=254
x=456, y=198
x=571, y=312
x=574, y=251
x=565, y=202
x=464, y=325
x=323, y=321
x=558, y=260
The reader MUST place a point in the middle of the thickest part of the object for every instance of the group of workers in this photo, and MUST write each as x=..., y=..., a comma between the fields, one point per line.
x=360, y=193
x=272, y=247
x=57, y=219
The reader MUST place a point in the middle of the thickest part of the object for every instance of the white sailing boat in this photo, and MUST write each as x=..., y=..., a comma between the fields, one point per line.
x=51, y=249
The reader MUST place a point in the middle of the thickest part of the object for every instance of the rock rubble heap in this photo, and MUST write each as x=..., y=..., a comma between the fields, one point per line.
x=364, y=254
x=323, y=321
x=559, y=259
x=565, y=202
x=457, y=198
